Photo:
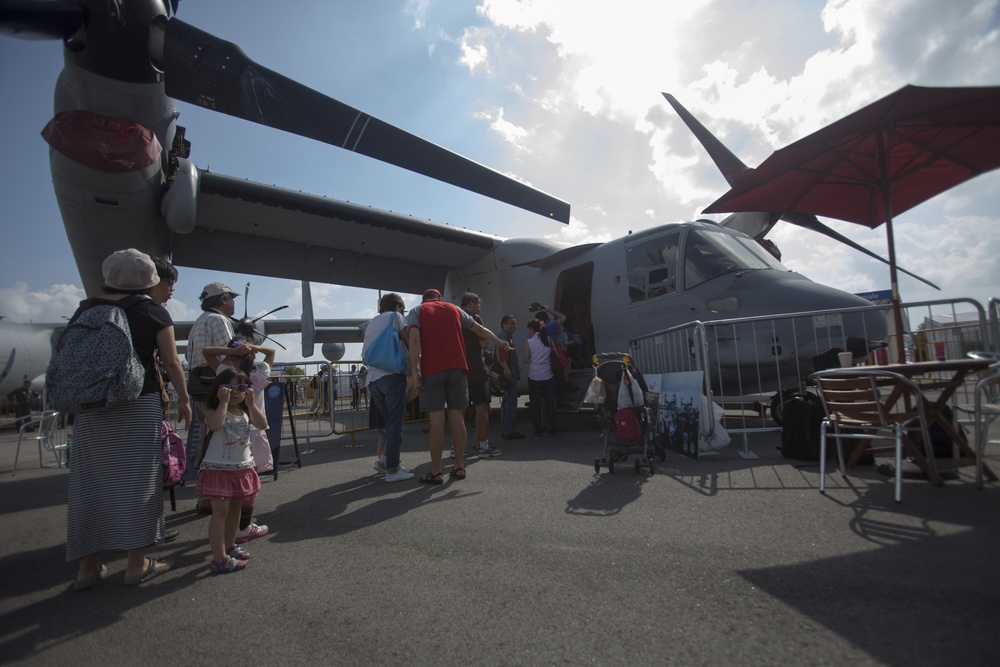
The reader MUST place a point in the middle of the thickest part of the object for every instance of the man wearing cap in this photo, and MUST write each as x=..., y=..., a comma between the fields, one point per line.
x=438, y=368
x=212, y=329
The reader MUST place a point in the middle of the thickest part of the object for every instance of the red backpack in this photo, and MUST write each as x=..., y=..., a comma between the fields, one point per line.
x=174, y=456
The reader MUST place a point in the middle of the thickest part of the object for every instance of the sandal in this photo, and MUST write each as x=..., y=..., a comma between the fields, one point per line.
x=91, y=580
x=151, y=571
x=226, y=566
x=457, y=473
x=238, y=552
x=432, y=478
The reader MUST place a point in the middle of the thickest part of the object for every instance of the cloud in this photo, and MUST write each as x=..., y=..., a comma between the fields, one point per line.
x=50, y=305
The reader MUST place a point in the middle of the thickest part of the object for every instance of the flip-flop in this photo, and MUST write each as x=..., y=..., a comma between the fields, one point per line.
x=89, y=582
x=432, y=478
x=457, y=473
x=150, y=572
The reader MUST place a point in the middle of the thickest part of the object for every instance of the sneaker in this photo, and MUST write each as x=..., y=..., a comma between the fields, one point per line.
x=252, y=532
x=379, y=467
x=401, y=475
x=489, y=452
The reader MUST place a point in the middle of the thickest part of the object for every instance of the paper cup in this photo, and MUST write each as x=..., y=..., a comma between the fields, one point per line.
x=846, y=359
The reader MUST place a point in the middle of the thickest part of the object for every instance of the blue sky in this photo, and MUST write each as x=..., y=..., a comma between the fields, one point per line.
x=566, y=95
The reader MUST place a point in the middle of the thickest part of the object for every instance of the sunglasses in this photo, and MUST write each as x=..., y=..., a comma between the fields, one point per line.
x=235, y=387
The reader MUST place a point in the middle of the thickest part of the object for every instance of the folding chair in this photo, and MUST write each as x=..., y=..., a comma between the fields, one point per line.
x=853, y=400
x=41, y=429
x=985, y=407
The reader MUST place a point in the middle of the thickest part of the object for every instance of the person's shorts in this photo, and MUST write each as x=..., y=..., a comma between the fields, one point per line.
x=447, y=388
x=479, y=392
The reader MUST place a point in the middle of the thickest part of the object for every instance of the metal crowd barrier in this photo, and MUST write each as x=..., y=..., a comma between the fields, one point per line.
x=748, y=386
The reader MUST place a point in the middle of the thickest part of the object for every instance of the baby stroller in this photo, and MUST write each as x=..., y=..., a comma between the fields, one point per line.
x=626, y=428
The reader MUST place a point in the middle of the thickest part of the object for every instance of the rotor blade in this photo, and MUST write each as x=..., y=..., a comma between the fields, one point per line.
x=732, y=167
x=266, y=337
x=213, y=73
x=809, y=221
x=246, y=300
x=269, y=312
x=41, y=20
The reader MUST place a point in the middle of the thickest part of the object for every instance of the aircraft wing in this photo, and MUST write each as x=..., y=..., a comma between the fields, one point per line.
x=307, y=237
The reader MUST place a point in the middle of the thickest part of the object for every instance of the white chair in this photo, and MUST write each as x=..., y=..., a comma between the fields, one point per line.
x=42, y=429
x=853, y=400
x=985, y=407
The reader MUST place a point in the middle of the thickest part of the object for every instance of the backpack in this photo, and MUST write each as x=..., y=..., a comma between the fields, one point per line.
x=174, y=455
x=802, y=418
x=385, y=352
x=942, y=444
x=494, y=373
x=95, y=366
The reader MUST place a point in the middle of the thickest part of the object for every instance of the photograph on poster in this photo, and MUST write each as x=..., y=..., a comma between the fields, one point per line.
x=677, y=410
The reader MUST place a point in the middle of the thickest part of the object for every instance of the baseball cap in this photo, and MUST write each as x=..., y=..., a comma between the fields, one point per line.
x=129, y=270
x=216, y=289
x=431, y=294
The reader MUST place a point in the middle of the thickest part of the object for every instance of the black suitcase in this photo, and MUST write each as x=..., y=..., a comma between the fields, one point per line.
x=802, y=418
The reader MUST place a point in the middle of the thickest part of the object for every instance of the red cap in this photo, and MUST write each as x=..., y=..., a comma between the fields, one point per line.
x=431, y=294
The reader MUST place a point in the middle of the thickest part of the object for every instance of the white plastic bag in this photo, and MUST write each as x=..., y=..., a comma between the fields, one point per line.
x=629, y=393
x=597, y=393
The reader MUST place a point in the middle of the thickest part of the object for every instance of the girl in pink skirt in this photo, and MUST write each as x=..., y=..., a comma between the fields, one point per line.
x=226, y=474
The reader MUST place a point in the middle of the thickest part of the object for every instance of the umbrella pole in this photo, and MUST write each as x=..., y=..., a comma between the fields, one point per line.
x=897, y=314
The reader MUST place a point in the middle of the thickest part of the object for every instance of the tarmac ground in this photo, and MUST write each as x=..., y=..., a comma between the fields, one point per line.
x=532, y=560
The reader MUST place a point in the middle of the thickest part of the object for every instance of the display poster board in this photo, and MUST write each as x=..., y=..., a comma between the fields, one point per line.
x=674, y=400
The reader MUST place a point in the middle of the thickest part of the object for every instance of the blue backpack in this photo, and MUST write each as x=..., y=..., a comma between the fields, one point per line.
x=385, y=352
x=95, y=366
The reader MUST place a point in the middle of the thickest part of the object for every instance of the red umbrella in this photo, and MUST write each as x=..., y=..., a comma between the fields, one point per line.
x=880, y=160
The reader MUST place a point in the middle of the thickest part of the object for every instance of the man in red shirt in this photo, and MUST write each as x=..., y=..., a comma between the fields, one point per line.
x=438, y=366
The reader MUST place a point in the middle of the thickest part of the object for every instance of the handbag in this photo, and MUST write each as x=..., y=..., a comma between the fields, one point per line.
x=260, y=450
x=199, y=382
x=555, y=360
x=386, y=352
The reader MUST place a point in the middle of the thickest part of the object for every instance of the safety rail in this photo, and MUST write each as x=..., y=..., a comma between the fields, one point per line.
x=312, y=407
x=735, y=374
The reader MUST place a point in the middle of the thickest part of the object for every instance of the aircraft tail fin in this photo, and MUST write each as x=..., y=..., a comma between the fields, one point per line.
x=308, y=322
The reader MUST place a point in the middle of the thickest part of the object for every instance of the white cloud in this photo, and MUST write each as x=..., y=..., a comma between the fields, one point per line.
x=53, y=304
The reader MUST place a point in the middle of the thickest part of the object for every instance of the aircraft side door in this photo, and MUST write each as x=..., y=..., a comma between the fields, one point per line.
x=574, y=300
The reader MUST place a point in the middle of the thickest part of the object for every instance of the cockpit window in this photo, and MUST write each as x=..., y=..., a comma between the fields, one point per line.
x=710, y=254
x=652, y=267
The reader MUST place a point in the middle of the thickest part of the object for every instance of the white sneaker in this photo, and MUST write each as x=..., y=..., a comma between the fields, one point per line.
x=401, y=475
x=489, y=453
x=379, y=467
x=252, y=532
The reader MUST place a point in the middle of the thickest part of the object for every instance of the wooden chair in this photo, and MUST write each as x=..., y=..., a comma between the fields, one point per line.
x=42, y=429
x=858, y=408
